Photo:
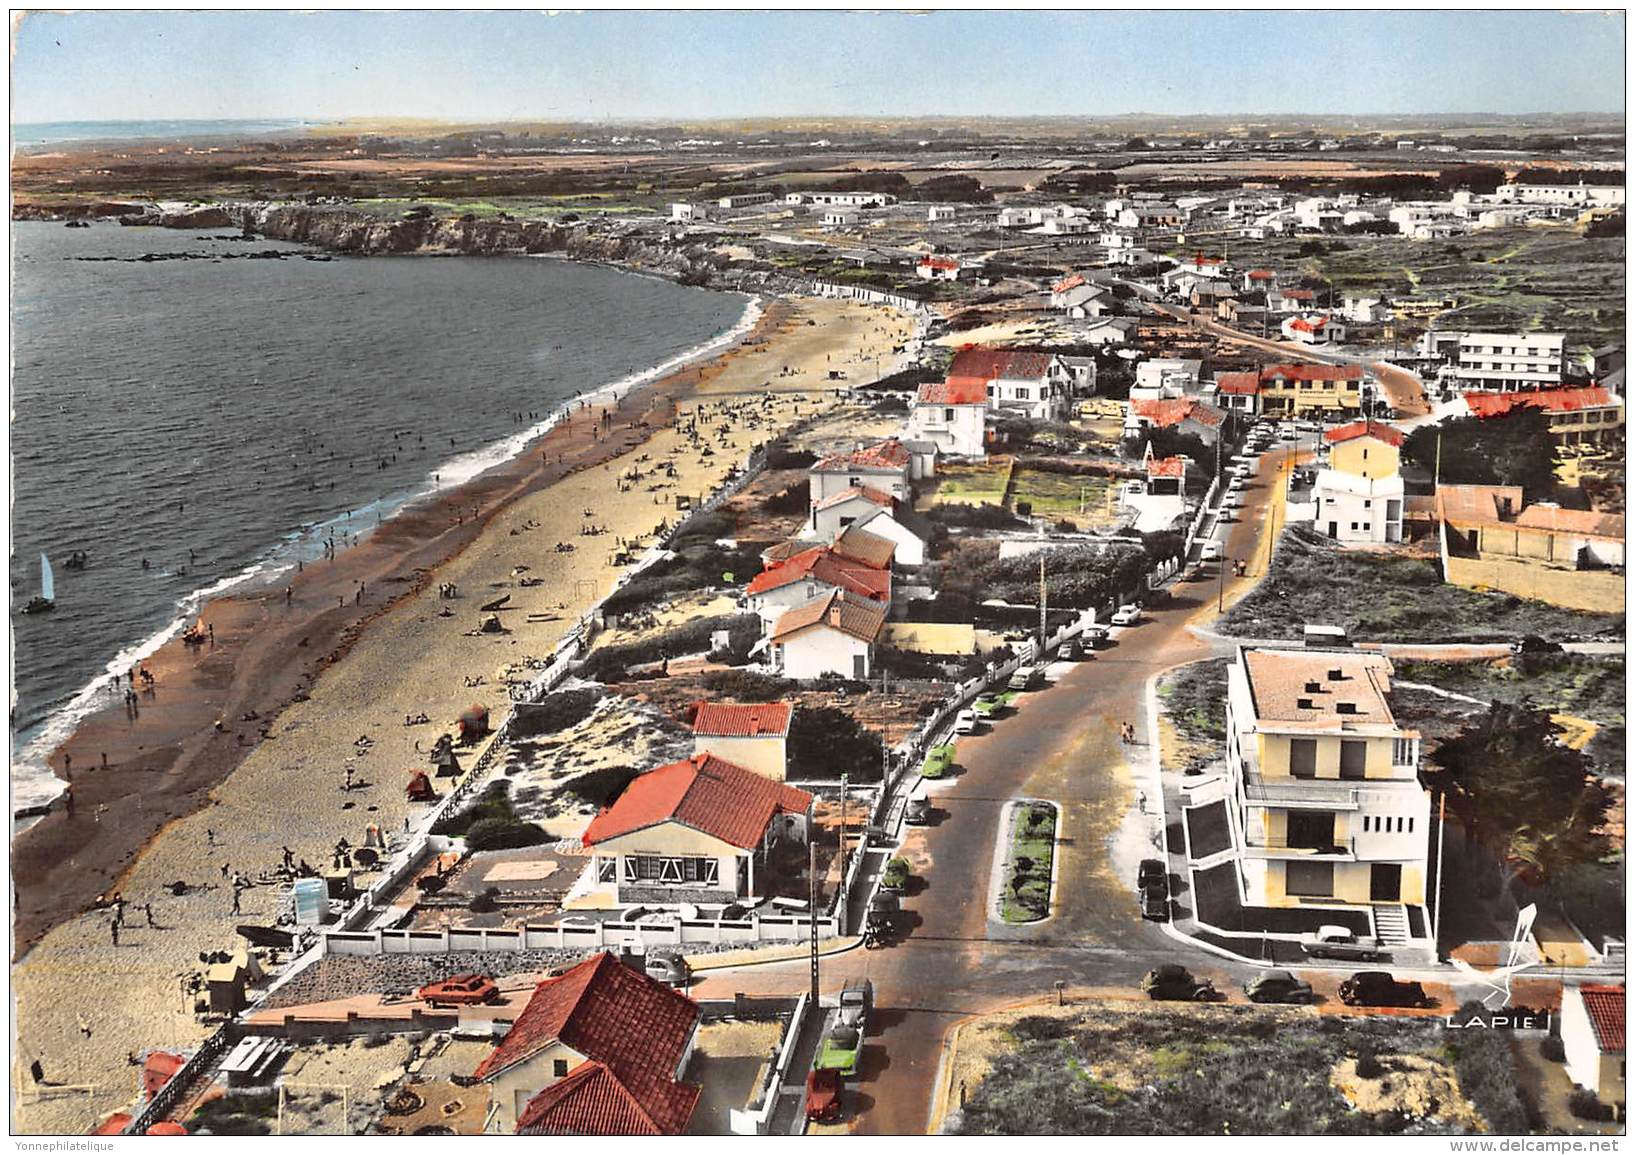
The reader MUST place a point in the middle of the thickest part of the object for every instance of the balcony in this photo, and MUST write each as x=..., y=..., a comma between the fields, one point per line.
x=1339, y=850
x=1300, y=793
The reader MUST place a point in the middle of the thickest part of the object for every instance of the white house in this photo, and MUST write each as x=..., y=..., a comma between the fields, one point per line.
x=1313, y=329
x=1165, y=378
x=1365, y=310
x=933, y=268
x=909, y=532
x=1036, y=385
x=830, y=635
x=889, y=466
x=1358, y=497
x=841, y=218
x=851, y=505
x=1592, y=1034
x=683, y=213
x=941, y=214
x=1108, y=331
x=810, y=573
x=952, y=414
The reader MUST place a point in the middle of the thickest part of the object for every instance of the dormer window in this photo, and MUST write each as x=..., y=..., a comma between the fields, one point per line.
x=1305, y=704
x=1314, y=687
x=1345, y=707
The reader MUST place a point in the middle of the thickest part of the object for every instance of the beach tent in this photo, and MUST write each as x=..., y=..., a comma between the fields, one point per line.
x=157, y=1070
x=419, y=788
x=228, y=979
x=473, y=724
x=166, y=1127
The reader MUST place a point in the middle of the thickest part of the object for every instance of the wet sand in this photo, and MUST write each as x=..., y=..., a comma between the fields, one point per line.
x=192, y=798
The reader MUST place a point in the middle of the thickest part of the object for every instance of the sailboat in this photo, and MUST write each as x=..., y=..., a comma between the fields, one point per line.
x=48, y=590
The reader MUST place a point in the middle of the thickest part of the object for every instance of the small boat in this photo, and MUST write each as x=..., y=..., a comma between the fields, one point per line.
x=47, y=600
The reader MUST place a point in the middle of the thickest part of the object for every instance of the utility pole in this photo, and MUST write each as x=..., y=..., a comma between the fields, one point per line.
x=1436, y=917
x=1043, y=597
x=812, y=905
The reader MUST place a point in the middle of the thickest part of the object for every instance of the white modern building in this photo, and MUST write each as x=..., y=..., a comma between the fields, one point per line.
x=1504, y=361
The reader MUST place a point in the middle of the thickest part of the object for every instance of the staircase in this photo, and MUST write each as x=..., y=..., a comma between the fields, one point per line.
x=1391, y=925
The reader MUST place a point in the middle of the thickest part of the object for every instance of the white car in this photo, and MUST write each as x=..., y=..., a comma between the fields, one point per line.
x=1127, y=615
x=1211, y=552
x=965, y=722
x=1232, y=500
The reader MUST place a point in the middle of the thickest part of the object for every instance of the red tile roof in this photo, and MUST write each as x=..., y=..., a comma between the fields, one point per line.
x=1370, y=428
x=1299, y=294
x=1262, y=275
x=939, y=263
x=1206, y=415
x=1164, y=413
x=592, y=1101
x=1066, y=283
x=954, y=391
x=732, y=720
x=1166, y=467
x=890, y=455
x=1312, y=371
x=114, y=1124
x=1550, y=400
x=985, y=363
x=636, y=1028
x=1309, y=324
x=1605, y=1005
x=158, y=1069
x=857, y=617
x=822, y=564
x=706, y=793
x=1572, y=521
x=866, y=492
x=1245, y=384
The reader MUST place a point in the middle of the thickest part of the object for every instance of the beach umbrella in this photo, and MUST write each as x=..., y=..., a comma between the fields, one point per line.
x=166, y=1127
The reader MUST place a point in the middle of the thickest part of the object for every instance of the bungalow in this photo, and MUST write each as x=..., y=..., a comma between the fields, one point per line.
x=1164, y=378
x=889, y=466
x=836, y=512
x=1238, y=392
x=901, y=526
x=831, y=635
x=1259, y=280
x=1033, y=384
x=693, y=831
x=953, y=415
x=932, y=268
x=1592, y=1035
x=840, y=218
x=1567, y=557
x=856, y=544
x=817, y=570
x=1290, y=300
x=1186, y=415
x=1087, y=301
x=753, y=735
x=1313, y=329
x=1365, y=310
x=599, y=1050
x=1108, y=331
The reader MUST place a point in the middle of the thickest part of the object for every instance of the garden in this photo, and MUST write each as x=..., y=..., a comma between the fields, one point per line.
x=1026, y=894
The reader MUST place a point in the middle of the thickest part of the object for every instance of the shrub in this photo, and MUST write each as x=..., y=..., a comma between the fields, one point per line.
x=1487, y=1073
x=780, y=456
x=825, y=743
x=795, y=499
x=558, y=711
x=1585, y=1105
x=1368, y=1063
x=492, y=803
x=487, y=902
x=695, y=637
x=1553, y=1049
x=503, y=834
x=600, y=787
x=895, y=873
x=431, y=883
x=746, y=685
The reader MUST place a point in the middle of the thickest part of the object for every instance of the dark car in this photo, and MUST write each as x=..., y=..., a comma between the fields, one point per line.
x=1277, y=986
x=1173, y=981
x=1155, y=902
x=1094, y=637
x=1151, y=872
x=1533, y=644
x=1381, y=989
x=823, y=1090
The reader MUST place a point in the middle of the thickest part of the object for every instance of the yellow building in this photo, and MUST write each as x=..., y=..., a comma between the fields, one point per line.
x=1324, y=803
x=1311, y=390
x=754, y=735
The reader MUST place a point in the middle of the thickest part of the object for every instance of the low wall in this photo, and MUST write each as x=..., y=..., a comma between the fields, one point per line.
x=754, y=1120
x=1598, y=591
x=584, y=935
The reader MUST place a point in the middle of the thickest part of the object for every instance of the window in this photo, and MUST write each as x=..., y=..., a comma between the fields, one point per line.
x=559, y=1068
x=1367, y=503
x=1353, y=759
x=607, y=870
x=948, y=416
x=1309, y=879
x=1402, y=751
x=1303, y=757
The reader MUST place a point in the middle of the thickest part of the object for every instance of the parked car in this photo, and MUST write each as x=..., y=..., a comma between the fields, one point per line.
x=918, y=812
x=1533, y=644
x=1127, y=615
x=840, y=1049
x=965, y=722
x=1173, y=981
x=856, y=1003
x=669, y=969
x=459, y=991
x=1155, y=902
x=1211, y=551
x=1150, y=872
x=987, y=705
x=1025, y=678
x=1095, y=637
x=1277, y=986
x=1072, y=651
x=1339, y=942
x=823, y=1090
x=1381, y=989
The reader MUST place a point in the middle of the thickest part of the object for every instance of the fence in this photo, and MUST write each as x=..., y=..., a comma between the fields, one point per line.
x=584, y=935
x=1195, y=530
x=872, y=296
x=168, y=1096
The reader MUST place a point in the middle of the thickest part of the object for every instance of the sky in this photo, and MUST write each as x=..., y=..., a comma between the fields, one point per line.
x=471, y=66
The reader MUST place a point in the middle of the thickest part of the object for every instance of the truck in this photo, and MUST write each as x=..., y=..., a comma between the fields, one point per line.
x=856, y=1001
x=1339, y=942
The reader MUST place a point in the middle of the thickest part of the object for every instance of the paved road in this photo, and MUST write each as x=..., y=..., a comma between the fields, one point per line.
x=1406, y=391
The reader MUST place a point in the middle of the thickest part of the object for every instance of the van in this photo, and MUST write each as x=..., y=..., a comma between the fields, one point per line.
x=1025, y=678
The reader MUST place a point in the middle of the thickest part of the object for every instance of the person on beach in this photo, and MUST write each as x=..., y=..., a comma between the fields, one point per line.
x=68, y=800
x=209, y=837
x=147, y=909
x=113, y=931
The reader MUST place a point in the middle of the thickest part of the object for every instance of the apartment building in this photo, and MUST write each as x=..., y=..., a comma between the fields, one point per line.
x=1504, y=361
x=1309, y=389
x=1324, y=801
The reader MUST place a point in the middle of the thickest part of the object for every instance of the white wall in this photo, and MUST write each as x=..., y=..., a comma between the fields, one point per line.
x=821, y=650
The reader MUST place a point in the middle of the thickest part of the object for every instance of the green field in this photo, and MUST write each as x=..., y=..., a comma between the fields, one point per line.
x=1027, y=867
x=1086, y=499
x=972, y=483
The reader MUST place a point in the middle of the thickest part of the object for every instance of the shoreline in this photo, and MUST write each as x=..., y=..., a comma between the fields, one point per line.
x=37, y=756
x=209, y=710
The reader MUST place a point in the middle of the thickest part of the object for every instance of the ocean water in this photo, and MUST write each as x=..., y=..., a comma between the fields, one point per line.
x=55, y=132
x=219, y=417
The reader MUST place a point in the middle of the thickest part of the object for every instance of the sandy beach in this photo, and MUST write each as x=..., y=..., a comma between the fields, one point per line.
x=331, y=678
